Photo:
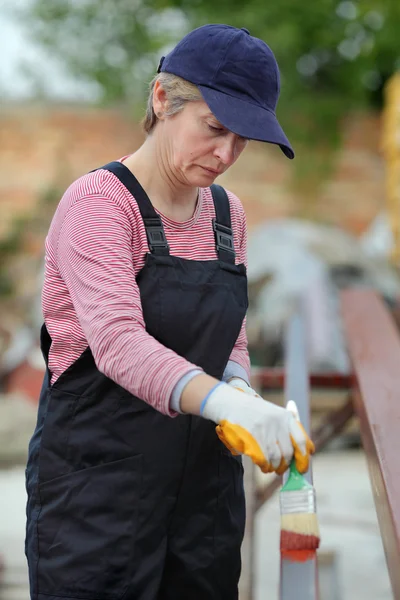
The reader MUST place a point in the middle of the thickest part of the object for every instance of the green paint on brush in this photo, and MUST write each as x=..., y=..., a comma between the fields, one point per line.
x=296, y=481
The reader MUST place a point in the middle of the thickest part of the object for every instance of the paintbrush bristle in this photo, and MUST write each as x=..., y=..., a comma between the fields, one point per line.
x=299, y=531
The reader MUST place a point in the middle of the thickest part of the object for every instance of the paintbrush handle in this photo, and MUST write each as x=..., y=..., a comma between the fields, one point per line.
x=291, y=406
x=295, y=481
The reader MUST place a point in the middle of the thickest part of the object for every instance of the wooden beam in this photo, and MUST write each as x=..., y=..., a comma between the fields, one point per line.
x=374, y=347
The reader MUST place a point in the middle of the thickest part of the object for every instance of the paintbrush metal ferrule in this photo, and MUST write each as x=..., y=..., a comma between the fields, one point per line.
x=299, y=501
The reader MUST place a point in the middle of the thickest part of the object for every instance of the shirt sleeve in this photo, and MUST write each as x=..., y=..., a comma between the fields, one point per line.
x=94, y=257
x=240, y=353
x=233, y=369
x=176, y=395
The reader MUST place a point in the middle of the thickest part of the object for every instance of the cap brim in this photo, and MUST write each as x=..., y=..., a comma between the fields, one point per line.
x=246, y=119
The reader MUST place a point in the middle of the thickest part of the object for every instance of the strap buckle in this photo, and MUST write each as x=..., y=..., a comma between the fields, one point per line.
x=223, y=238
x=155, y=234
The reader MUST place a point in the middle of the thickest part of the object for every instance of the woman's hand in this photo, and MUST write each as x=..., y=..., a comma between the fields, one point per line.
x=240, y=384
x=247, y=424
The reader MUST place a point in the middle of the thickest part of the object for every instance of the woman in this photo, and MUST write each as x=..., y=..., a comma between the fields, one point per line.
x=131, y=493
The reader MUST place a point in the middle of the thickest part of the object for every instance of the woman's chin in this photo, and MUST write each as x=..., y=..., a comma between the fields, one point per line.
x=202, y=178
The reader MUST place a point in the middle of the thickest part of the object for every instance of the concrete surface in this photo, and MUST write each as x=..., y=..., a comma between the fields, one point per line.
x=347, y=520
x=12, y=533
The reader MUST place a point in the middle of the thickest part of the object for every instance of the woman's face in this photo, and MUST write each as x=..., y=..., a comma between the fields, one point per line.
x=196, y=146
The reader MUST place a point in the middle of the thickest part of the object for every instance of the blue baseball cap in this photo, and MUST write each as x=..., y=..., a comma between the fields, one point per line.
x=238, y=77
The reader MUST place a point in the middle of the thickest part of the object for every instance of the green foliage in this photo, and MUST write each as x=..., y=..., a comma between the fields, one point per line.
x=6, y=288
x=10, y=245
x=14, y=242
x=113, y=44
x=329, y=48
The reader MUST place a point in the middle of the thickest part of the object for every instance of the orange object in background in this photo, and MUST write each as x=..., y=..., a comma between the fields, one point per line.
x=25, y=379
x=390, y=145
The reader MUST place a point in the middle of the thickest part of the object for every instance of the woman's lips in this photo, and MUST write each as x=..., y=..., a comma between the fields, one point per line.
x=211, y=171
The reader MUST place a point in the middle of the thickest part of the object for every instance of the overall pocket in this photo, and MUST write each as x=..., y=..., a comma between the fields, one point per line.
x=86, y=530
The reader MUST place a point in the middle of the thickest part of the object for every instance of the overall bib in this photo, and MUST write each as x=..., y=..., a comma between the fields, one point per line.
x=125, y=503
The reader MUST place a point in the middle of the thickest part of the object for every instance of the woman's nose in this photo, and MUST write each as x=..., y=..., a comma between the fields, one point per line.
x=226, y=150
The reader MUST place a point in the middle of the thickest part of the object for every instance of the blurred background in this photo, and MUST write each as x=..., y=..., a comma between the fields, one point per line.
x=73, y=83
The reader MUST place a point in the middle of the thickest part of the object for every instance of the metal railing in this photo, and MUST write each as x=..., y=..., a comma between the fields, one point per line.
x=373, y=342
x=298, y=579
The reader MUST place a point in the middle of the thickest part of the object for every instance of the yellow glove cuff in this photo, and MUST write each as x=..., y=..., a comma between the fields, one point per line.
x=239, y=441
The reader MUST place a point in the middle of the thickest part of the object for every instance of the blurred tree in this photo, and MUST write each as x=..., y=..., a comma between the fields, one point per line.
x=335, y=56
x=111, y=43
x=330, y=53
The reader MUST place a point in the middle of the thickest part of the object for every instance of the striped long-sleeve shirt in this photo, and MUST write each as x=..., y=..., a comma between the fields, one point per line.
x=95, y=248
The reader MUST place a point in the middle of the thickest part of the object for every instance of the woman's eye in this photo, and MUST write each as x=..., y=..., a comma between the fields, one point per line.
x=215, y=128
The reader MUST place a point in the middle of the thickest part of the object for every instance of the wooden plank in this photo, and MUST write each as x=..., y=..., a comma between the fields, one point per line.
x=374, y=347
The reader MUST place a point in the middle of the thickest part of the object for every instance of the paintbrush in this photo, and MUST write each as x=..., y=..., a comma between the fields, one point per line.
x=299, y=524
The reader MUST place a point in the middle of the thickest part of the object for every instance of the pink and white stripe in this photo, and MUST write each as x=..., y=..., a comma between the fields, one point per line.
x=94, y=250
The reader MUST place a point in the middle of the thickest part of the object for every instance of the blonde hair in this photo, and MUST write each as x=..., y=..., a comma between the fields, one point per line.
x=178, y=91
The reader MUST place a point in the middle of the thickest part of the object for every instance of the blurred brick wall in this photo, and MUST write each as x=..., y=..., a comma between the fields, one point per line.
x=351, y=196
x=42, y=147
x=47, y=146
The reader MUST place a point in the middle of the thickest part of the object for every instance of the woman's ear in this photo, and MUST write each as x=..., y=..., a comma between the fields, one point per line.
x=159, y=100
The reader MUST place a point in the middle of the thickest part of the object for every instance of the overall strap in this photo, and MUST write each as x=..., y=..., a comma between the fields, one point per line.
x=152, y=221
x=222, y=225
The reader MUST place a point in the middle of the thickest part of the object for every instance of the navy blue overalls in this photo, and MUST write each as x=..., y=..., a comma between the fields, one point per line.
x=125, y=503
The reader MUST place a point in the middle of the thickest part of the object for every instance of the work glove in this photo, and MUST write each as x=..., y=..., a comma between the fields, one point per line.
x=302, y=462
x=240, y=384
x=270, y=435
